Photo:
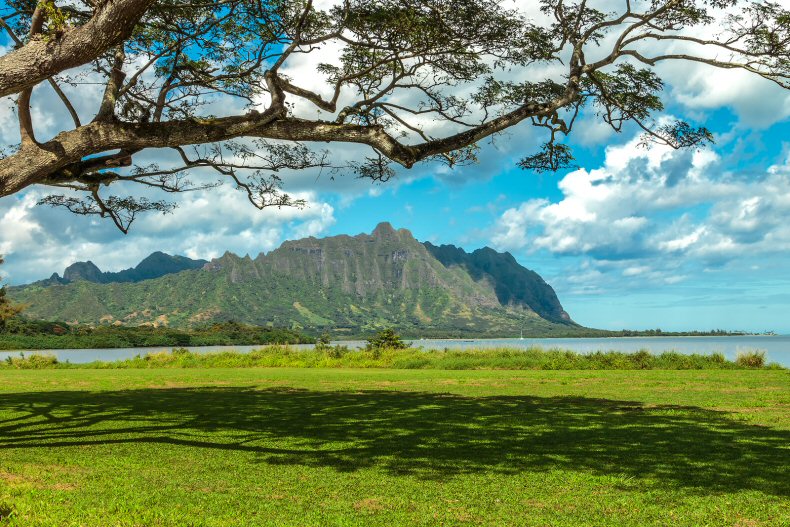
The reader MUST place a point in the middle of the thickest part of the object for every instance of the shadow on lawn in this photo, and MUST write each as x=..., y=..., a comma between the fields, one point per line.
x=422, y=434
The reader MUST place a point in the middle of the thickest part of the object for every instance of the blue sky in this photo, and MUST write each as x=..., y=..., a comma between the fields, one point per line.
x=632, y=238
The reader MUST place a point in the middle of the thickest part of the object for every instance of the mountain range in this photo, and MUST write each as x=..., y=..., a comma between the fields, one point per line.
x=153, y=266
x=344, y=284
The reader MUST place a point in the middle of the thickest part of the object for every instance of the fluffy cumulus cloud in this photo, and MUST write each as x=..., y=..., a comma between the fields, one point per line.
x=652, y=213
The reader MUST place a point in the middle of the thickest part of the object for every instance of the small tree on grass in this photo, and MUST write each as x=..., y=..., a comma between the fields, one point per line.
x=386, y=339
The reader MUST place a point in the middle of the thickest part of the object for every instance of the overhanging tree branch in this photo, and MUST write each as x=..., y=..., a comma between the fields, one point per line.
x=40, y=59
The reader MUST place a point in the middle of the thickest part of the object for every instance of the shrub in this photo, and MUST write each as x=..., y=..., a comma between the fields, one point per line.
x=750, y=358
x=32, y=362
x=642, y=359
x=323, y=341
x=337, y=352
x=386, y=339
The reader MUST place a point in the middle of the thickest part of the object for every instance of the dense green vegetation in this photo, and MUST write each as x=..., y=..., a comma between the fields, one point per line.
x=21, y=333
x=377, y=356
x=322, y=447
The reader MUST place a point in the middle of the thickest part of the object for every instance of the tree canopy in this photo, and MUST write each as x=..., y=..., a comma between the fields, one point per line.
x=412, y=80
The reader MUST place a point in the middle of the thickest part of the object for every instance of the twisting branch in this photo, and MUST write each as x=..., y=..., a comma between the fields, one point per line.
x=112, y=22
x=23, y=104
x=114, y=82
x=62, y=96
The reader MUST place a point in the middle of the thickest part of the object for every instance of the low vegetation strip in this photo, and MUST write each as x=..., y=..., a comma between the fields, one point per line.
x=410, y=358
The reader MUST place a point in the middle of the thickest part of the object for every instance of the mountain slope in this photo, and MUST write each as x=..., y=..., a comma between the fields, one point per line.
x=346, y=284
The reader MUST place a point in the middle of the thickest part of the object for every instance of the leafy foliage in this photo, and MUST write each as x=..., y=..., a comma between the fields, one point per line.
x=386, y=339
x=551, y=158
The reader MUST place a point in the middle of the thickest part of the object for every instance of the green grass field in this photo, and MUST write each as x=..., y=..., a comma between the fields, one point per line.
x=258, y=446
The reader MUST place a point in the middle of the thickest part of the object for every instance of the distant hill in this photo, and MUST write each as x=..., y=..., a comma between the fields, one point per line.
x=154, y=266
x=344, y=284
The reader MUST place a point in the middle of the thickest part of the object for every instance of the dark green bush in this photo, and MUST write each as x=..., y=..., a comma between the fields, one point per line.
x=386, y=339
x=642, y=359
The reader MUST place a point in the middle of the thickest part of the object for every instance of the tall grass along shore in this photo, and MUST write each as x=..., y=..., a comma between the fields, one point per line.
x=410, y=358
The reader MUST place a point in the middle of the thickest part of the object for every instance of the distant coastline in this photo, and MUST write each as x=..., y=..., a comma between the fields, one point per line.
x=24, y=334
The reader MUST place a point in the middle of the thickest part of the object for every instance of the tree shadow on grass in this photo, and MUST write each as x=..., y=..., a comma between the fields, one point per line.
x=425, y=435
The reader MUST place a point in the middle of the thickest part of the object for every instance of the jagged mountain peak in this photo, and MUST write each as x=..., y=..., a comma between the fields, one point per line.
x=385, y=230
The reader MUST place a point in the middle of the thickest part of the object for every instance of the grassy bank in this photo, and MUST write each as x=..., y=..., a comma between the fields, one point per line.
x=342, y=357
x=375, y=447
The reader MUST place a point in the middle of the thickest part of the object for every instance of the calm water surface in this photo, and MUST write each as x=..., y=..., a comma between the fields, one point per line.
x=777, y=348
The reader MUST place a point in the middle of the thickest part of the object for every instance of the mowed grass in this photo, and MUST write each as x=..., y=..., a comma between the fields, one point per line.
x=258, y=446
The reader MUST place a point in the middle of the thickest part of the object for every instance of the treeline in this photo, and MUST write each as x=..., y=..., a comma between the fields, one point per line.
x=582, y=332
x=21, y=333
x=659, y=333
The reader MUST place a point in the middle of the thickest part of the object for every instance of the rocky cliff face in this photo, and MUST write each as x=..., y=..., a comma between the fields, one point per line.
x=346, y=284
x=369, y=266
x=83, y=271
x=513, y=284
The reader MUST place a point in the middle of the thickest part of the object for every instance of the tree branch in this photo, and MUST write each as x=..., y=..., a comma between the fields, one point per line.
x=40, y=59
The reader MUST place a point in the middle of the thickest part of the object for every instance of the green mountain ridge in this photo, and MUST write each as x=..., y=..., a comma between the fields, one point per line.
x=343, y=284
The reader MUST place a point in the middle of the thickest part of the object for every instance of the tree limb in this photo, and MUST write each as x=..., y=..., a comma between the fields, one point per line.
x=40, y=59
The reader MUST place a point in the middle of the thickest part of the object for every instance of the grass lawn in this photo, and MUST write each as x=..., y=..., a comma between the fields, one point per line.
x=257, y=446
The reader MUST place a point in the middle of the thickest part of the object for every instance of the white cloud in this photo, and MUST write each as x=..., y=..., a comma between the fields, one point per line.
x=646, y=213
